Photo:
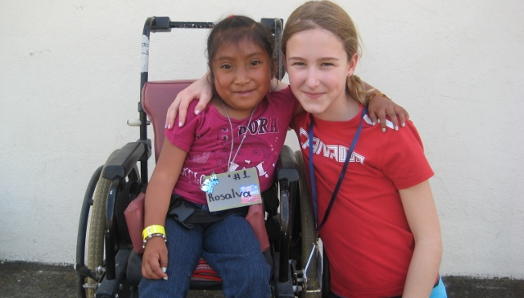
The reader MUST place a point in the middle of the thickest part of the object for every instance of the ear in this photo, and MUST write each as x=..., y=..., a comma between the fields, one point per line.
x=352, y=64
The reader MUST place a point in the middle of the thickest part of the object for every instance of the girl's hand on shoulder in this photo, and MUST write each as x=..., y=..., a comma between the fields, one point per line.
x=154, y=260
x=380, y=107
x=200, y=89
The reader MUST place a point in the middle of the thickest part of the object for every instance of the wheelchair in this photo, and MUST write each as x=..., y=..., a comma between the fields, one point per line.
x=107, y=265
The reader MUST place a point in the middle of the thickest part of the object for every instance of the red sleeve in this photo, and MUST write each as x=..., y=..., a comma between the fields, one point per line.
x=404, y=161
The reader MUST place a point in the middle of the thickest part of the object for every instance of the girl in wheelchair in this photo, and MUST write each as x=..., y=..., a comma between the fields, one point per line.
x=225, y=153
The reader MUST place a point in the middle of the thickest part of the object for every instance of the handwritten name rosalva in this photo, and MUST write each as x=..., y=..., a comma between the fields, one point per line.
x=228, y=196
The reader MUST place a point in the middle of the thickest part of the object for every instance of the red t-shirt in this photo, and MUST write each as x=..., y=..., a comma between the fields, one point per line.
x=366, y=236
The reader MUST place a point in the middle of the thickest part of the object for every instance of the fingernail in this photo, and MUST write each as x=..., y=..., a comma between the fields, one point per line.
x=373, y=123
x=383, y=129
x=165, y=278
x=378, y=120
x=179, y=124
x=197, y=112
x=396, y=128
x=164, y=269
x=404, y=124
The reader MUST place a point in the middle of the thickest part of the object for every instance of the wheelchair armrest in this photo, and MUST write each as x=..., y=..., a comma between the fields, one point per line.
x=125, y=159
x=287, y=166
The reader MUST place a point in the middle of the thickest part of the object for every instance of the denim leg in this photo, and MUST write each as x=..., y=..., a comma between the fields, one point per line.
x=231, y=248
x=184, y=250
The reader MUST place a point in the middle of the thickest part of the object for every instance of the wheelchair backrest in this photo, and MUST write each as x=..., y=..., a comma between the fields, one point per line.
x=156, y=99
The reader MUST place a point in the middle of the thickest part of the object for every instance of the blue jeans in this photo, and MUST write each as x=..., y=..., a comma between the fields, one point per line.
x=229, y=246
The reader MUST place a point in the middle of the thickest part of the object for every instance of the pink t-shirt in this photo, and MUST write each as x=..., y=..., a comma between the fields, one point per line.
x=207, y=139
x=366, y=236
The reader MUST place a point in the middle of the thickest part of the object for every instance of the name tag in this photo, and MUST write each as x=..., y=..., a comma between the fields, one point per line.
x=232, y=189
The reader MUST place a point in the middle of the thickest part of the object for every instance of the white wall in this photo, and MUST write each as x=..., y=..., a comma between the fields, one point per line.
x=69, y=80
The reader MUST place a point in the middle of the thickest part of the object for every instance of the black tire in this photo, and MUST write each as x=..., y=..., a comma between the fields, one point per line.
x=95, y=243
x=82, y=231
x=308, y=231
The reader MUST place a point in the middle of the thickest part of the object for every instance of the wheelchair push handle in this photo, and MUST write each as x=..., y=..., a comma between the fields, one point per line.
x=164, y=24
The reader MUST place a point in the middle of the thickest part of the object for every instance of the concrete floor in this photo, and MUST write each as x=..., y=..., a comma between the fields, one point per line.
x=22, y=279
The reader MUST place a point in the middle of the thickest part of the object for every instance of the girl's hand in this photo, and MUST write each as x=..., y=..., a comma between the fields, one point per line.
x=379, y=107
x=154, y=260
x=200, y=89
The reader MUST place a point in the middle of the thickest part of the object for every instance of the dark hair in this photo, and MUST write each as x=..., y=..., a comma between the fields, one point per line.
x=233, y=30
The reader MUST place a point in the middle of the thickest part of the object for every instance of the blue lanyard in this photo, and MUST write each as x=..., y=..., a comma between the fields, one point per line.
x=343, y=172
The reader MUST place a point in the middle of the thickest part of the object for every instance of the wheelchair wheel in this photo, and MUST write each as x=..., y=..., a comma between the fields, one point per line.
x=82, y=271
x=94, y=209
x=95, y=247
x=308, y=235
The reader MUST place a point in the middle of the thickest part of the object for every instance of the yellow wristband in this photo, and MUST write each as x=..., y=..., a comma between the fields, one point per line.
x=152, y=230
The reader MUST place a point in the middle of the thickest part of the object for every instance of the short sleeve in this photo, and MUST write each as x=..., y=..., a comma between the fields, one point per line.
x=404, y=161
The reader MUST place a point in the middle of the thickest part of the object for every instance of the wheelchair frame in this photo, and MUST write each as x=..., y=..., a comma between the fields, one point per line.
x=117, y=182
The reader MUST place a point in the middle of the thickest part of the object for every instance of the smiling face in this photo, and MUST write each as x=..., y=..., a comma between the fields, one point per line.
x=241, y=76
x=318, y=69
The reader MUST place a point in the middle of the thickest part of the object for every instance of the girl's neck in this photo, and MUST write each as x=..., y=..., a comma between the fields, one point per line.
x=232, y=113
x=343, y=110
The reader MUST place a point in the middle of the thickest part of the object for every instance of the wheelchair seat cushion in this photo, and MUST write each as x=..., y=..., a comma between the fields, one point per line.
x=204, y=272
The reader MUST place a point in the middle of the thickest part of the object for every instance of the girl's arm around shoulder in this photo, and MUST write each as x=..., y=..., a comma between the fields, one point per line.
x=380, y=106
x=201, y=89
x=158, y=196
x=421, y=214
